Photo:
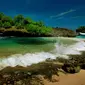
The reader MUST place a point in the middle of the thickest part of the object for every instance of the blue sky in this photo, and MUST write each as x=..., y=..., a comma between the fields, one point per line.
x=58, y=13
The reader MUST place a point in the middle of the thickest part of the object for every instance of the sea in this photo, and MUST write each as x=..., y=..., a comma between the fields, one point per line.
x=80, y=36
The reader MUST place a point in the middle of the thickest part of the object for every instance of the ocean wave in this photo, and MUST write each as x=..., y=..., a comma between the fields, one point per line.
x=72, y=49
x=34, y=58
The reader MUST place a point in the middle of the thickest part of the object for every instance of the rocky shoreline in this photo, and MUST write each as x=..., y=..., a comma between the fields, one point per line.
x=33, y=75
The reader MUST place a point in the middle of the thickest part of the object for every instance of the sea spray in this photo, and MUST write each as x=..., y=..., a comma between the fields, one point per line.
x=27, y=59
x=34, y=58
x=71, y=49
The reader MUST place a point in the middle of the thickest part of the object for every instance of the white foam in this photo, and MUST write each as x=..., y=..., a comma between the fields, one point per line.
x=72, y=49
x=32, y=58
x=25, y=60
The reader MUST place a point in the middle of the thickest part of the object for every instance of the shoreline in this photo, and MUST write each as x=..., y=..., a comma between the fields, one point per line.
x=27, y=59
x=20, y=65
x=68, y=79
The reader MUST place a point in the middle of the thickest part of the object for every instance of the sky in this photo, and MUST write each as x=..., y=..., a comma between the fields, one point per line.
x=55, y=13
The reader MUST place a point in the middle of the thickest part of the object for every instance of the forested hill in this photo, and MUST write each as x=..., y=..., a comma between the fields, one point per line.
x=24, y=26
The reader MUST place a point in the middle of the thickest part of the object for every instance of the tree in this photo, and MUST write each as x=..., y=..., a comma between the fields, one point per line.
x=38, y=30
x=7, y=19
x=7, y=25
x=40, y=23
x=29, y=19
x=45, y=30
x=81, y=29
x=19, y=19
x=19, y=26
x=25, y=22
x=20, y=22
x=32, y=28
x=1, y=15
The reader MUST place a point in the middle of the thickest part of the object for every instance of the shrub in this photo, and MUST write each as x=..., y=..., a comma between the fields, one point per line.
x=19, y=26
x=26, y=21
x=7, y=25
x=37, y=30
x=40, y=23
x=7, y=19
x=18, y=19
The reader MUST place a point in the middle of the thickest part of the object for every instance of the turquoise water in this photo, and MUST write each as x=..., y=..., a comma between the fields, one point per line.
x=81, y=36
x=9, y=46
x=28, y=51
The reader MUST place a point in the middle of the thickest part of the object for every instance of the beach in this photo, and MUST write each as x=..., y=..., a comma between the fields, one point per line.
x=69, y=79
x=63, y=47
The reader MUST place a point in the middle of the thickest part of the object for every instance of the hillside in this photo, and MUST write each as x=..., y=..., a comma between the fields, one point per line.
x=25, y=27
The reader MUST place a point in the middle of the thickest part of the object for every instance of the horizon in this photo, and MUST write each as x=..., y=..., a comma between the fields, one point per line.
x=54, y=13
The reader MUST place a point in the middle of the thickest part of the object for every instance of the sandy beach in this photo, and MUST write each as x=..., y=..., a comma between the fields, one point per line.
x=69, y=79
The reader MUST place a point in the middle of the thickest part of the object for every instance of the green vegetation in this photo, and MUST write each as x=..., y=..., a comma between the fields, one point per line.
x=21, y=26
x=25, y=26
x=81, y=29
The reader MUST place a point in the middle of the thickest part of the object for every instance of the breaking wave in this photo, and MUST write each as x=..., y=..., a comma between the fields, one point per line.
x=33, y=58
x=72, y=49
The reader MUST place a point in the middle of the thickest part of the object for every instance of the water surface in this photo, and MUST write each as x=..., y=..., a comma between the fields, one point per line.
x=9, y=46
x=28, y=51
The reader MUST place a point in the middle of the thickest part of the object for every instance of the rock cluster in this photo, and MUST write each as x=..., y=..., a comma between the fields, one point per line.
x=20, y=78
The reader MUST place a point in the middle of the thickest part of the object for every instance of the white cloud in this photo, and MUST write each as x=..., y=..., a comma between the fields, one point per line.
x=62, y=14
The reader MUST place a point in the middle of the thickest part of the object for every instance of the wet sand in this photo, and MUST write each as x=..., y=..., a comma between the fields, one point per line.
x=70, y=79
